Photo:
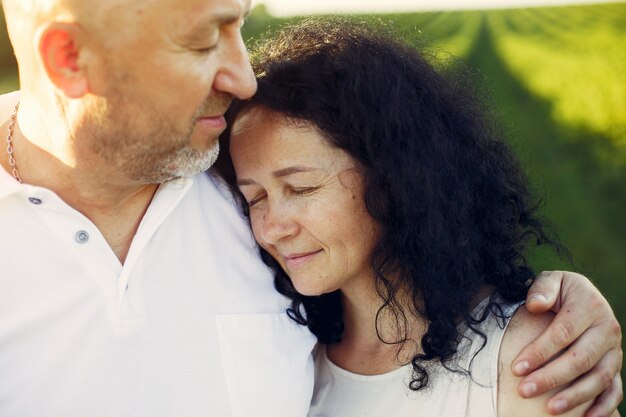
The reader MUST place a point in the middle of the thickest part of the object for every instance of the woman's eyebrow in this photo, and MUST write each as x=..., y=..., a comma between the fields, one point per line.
x=279, y=173
x=292, y=170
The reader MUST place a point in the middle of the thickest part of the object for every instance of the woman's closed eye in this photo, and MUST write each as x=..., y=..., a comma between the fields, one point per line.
x=293, y=191
x=255, y=200
x=302, y=191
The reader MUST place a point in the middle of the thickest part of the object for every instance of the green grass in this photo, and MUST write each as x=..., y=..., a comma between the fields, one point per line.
x=577, y=65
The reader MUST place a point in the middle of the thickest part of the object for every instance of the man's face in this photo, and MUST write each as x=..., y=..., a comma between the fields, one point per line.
x=158, y=100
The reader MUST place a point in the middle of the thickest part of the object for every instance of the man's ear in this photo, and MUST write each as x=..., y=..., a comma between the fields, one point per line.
x=59, y=51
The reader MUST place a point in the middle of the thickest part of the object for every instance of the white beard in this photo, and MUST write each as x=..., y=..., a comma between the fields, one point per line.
x=187, y=162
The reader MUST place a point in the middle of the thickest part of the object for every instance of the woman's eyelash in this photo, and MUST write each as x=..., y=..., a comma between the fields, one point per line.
x=254, y=201
x=257, y=198
x=294, y=191
x=303, y=191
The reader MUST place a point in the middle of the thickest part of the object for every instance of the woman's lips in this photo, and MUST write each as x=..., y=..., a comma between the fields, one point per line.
x=296, y=260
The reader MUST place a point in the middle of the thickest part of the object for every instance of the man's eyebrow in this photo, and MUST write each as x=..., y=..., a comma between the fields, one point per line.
x=280, y=173
x=223, y=16
x=219, y=17
x=230, y=16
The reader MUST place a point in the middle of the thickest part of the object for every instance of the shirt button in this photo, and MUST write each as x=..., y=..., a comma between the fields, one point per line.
x=81, y=236
x=36, y=201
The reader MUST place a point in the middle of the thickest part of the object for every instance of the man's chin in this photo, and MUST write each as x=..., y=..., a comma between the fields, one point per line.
x=188, y=162
x=184, y=163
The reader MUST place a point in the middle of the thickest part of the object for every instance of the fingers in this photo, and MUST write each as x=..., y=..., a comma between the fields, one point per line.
x=607, y=403
x=592, y=348
x=589, y=386
x=587, y=338
x=579, y=307
x=545, y=292
x=563, y=330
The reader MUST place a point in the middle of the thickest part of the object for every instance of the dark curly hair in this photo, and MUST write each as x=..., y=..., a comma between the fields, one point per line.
x=452, y=200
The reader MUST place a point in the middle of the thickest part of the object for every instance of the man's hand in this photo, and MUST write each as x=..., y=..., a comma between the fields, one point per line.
x=589, y=336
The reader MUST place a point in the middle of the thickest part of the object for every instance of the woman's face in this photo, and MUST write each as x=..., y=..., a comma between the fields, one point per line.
x=306, y=202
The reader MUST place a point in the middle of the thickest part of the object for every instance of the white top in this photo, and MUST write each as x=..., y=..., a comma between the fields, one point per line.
x=190, y=325
x=340, y=393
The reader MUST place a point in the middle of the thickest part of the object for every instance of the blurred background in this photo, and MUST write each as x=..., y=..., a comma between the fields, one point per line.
x=555, y=73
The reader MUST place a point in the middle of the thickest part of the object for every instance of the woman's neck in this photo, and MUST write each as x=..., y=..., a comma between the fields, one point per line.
x=372, y=342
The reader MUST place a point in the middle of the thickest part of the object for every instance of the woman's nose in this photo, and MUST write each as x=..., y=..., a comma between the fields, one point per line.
x=277, y=223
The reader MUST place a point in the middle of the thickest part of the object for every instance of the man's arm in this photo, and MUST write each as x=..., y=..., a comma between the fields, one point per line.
x=587, y=333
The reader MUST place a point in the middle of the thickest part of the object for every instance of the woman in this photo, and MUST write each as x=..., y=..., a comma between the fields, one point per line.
x=396, y=221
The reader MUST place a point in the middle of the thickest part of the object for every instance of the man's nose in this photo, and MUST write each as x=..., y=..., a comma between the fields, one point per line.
x=236, y=76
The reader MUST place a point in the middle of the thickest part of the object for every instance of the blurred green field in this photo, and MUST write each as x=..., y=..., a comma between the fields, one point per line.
x=556, y=77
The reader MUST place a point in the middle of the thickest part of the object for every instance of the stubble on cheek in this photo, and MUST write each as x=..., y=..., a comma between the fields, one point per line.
x=139, y=148
x=145, y=144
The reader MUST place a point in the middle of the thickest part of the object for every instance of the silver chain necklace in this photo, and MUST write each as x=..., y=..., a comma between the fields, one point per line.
x=11, y=127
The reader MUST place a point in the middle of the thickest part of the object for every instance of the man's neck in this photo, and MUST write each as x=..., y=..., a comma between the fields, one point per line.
x=115, y=205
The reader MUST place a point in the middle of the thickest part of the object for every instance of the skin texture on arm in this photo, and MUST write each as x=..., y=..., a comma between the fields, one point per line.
x=587, y=333
x=523, y=328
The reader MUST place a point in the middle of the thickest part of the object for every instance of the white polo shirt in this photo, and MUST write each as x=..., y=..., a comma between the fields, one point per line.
x=190, y=325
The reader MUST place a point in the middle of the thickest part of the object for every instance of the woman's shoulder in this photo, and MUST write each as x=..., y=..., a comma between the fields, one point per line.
x=522, y=329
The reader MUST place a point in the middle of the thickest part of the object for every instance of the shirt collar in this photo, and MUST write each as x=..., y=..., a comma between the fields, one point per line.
x=10, y=186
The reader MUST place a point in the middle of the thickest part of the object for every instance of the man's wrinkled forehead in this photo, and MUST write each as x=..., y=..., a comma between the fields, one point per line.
x=44, y=7
x=99, y=11
x=41, y=11
x=32, y=6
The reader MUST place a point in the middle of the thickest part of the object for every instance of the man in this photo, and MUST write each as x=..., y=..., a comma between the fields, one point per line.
x=130, y=285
